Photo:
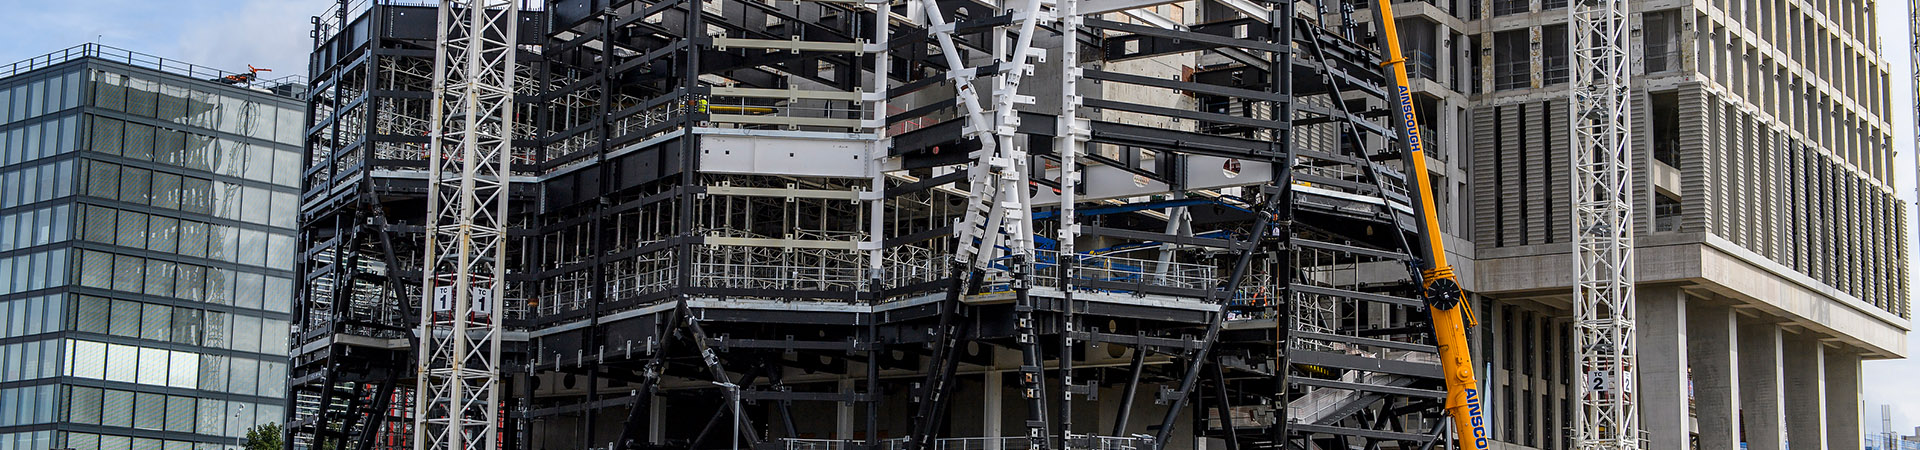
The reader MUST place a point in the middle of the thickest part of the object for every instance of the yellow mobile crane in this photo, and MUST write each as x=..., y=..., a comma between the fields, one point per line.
x=1451, y=317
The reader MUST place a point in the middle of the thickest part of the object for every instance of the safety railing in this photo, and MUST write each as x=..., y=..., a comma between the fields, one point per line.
x=1423, y=64
x=136, y=59
x=778, y=276
x=913, y=265
x=841, y=444
x=1112, y=268
x=982, y=443
x=1074, y=442
x=649, y=118
x=1556, y=68
x=1662, y=57
x=818, y=444
x=1094, y=442
x=1513, y=74
x=761, y=113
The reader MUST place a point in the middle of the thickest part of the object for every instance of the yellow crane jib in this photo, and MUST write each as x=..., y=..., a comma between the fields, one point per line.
x=1441, y=291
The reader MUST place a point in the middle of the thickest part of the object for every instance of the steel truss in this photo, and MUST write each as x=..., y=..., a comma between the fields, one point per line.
x=469, y=161
x=1603, y=195
x=1232, y=244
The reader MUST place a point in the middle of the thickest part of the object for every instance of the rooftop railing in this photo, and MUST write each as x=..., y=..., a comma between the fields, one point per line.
x=136, y=59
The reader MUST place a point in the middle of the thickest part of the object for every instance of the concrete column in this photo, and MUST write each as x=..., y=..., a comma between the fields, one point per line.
x=1498, y=379
x=992, y=408
x=1762, y=387
x=843, y=413
x=1713, y=338
x=1443, y=71
x=1806, y=393
x=1537, y=384
x=1843, y=400
x=1661, y=328
x=1556, y=391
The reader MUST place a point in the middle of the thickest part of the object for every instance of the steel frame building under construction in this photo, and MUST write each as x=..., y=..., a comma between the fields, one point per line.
x=858, y=224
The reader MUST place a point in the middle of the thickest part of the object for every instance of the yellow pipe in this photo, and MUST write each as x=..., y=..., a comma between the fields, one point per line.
x=742, y=109
x=1449, y=325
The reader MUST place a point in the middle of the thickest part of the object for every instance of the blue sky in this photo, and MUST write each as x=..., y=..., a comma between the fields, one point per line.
x=226, y=35
x=273, y=34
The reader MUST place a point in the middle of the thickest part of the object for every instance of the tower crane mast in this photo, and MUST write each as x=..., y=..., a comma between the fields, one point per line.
x=458, y=372
x=1603, y=298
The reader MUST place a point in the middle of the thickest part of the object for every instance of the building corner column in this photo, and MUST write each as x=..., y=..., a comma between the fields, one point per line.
x=1763, y=416
x=1844, y=426
x=1661, y=328
x=1806, y=397
x=1713, y=348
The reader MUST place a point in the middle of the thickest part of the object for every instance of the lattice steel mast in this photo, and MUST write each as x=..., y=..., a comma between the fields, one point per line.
x=458, y=374
x=1603, y=300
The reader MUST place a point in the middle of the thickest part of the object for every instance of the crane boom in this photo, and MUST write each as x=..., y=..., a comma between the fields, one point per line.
x=1441, y=290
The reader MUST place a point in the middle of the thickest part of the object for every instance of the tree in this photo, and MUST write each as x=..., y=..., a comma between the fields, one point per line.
x=264, y=437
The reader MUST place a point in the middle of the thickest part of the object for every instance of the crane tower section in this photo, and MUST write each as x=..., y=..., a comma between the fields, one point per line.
x=458, y=404
x=1603, y=300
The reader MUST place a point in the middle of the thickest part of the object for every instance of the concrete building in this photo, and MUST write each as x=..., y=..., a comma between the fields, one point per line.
x=1770, y=242
x=146, y=231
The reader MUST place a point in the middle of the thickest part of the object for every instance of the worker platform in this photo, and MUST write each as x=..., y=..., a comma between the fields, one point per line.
x=905, y=224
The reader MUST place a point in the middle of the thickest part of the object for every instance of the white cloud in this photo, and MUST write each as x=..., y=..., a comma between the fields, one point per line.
x=226, y=35
x=267, y=34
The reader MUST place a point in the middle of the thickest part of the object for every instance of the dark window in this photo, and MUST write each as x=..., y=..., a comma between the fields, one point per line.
x=1662, y=30
x=1512, y=61
x=1547, y=196
x=1526, y=176
x=1666, y=128
x=1512, y=412
x=1526, y=411
x=1526, y=336
x=1505, y=7
x=1553, y=50
x=1474, y=58
x=1499, y=179
x=1416, y=38
x=1666, y=213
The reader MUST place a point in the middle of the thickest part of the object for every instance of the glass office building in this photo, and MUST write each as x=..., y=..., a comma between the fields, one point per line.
x=147, y=217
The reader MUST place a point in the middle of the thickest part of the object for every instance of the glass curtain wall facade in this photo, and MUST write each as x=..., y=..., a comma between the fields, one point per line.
x=146, y=253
